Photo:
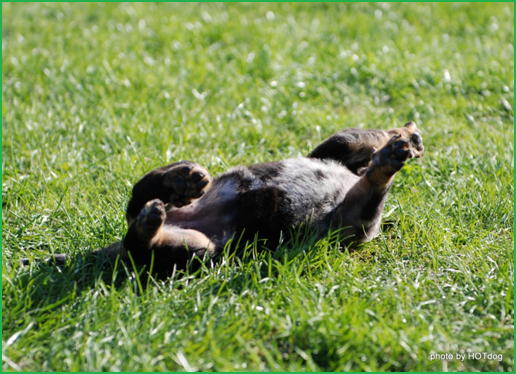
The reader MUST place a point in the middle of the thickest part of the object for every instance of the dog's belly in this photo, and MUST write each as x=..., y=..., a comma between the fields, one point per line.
x=304, y=191
x=211, y=214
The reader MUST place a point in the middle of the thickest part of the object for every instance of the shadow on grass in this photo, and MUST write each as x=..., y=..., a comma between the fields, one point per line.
x=46, y=285
x=45, y=282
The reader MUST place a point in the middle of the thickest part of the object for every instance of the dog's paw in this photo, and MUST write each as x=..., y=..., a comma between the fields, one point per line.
x=394, y=154
x=150, y=218
x=390, y=159
x=186, y=182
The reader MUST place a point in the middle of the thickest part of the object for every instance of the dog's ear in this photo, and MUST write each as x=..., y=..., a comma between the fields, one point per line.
x=411, y=126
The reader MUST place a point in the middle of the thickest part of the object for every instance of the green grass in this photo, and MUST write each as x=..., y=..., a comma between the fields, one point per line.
x=95, y=95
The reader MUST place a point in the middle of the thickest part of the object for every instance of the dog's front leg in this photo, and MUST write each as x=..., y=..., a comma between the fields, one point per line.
x=354, y=148
x=360, y=213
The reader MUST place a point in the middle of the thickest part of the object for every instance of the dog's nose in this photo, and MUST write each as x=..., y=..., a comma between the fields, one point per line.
x=416, y=142
x=416, y=139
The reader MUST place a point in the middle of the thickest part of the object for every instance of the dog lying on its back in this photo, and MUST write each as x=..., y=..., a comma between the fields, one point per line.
x=178, y=212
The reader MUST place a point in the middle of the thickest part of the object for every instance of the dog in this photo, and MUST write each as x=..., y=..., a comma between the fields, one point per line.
x=179, y=212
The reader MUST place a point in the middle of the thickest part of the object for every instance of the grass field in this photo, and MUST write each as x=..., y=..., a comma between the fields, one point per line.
x=95, y=95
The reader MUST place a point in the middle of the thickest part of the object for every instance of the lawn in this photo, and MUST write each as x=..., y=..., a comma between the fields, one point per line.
x=95, y=95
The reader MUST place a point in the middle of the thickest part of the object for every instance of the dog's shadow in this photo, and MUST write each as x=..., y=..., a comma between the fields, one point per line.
x=46, y=285
x=43, y=286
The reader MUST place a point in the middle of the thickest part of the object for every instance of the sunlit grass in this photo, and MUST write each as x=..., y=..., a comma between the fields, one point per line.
x=95, y=95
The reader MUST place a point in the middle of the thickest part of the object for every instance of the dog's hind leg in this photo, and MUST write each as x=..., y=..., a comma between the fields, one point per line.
x=149, y=239
x=359, y=215
x=176, y=185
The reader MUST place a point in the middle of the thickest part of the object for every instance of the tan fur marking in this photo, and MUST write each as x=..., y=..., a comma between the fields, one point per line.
x=176, y=237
